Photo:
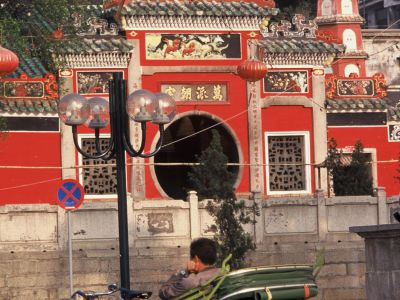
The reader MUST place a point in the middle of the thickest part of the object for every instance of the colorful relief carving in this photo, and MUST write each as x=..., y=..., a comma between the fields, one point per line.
x=380, y=85
x=284, y=28
x=193, y=46
x=93, y=82
x=196, y=92
x=355, y=87
x=93, y=26
x=23, y=89
x=160, y=223
x=29, y=88
x=327, y=36
x=394, y=132
x=286, y=82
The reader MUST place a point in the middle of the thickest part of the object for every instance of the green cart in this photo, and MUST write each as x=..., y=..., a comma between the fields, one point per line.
x=288, y=282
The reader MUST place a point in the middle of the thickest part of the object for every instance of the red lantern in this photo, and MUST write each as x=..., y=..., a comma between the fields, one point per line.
x=58, y=34
x=8, y=61
x=252, y=70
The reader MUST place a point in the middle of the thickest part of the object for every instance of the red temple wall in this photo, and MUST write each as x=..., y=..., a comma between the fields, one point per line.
x=373, y=137
x=289, y=118
x=26, y=186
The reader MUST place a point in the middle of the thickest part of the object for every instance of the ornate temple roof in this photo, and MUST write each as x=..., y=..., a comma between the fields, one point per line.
x=283, y=45
x=364, y=105
x=28, y=106
x=92, y=45
x=194, y=8
x=32, y=67
x=342, y=105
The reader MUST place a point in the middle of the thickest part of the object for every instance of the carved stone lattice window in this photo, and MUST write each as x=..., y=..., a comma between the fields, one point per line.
x=98, y=180
x=286, y=157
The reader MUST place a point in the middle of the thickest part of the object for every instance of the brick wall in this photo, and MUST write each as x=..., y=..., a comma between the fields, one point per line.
x=289, y=230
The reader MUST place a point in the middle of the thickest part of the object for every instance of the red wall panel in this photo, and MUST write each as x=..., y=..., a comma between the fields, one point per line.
x=30, y=149
x=373, y=137
x=289, y=118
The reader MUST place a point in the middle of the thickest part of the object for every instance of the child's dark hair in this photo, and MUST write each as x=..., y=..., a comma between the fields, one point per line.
x=205, y=249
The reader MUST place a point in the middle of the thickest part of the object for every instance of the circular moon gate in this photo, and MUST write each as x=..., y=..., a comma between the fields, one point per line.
x=173, y=179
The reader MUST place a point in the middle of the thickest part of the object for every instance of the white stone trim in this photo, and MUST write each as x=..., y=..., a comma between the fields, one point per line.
x=98, y=60
x=311, y=60
x=30, y=114
x=193, y=23
x=307, y=160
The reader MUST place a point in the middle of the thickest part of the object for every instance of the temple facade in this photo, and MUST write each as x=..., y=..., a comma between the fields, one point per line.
x=274, y=131
x=316, y=72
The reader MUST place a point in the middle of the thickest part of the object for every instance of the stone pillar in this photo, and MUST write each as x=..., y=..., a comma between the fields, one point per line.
x=383, y=213
x=255, y=140
x=322, y=215
x=194, y=214
x=382, y=255
x=259, y=225
x=135, y=82
x=319, y=125
x=67, y=161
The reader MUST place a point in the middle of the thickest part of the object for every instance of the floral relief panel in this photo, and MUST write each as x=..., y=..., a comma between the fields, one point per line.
x=93, y=82
x=288, y=82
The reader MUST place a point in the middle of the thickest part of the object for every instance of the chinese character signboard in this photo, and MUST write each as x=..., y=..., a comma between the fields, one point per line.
x=196, y=92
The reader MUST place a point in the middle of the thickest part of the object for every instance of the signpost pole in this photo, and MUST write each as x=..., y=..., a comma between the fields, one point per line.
x=71, y=281
x=70, y=195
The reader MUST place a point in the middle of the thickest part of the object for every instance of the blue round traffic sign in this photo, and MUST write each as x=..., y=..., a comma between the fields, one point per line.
x=70, y=194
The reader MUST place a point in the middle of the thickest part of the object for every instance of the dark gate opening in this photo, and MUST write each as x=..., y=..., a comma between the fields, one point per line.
x=173, y=179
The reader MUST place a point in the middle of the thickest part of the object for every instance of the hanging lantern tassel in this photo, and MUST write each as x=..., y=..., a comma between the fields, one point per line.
x=252, y=70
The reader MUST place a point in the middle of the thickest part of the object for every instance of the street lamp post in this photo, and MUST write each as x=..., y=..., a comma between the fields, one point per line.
x=96, y=113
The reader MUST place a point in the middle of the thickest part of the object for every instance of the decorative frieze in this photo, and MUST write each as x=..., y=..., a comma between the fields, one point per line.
x=177, y=46
x=93, y=26
x=355, y=87
x=29, y=88
x=284, y=28
x=287, y=81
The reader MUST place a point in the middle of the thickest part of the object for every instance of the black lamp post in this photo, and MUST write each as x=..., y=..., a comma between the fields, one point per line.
x=141, y=106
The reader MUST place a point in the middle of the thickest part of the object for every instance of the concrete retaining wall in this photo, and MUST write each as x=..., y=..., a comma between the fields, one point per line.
x=34, y=254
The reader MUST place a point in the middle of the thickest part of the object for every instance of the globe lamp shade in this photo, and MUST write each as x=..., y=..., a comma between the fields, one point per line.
x=73, y=109
x=8, y=61
x=252, y=70
x=165, y=109
x=99, y=116
x=140, y=105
